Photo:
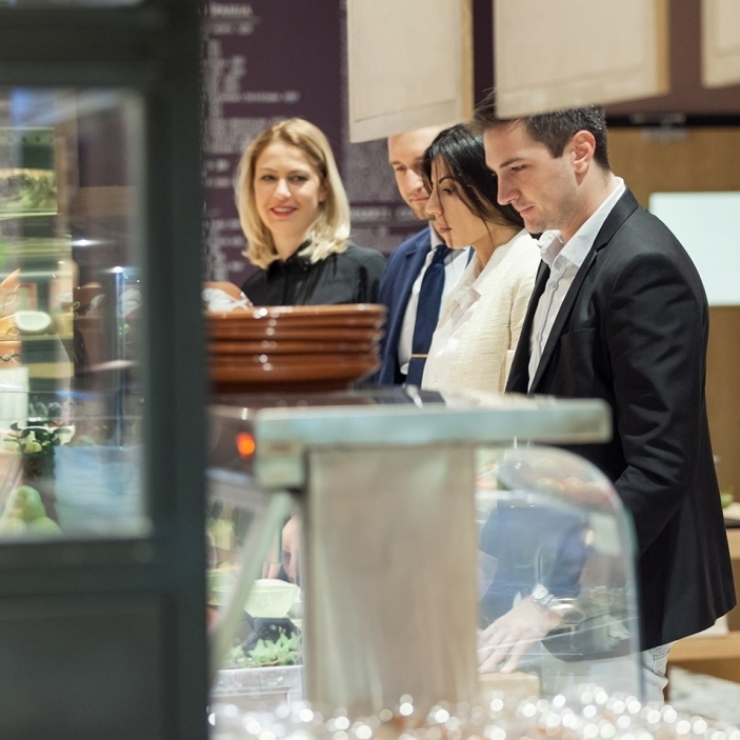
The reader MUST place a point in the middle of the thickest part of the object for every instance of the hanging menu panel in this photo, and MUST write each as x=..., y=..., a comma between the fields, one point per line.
x=721, y=42
x=578, y=52
x=393, y=85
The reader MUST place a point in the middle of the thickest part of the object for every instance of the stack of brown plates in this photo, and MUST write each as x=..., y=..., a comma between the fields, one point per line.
x=294, y=348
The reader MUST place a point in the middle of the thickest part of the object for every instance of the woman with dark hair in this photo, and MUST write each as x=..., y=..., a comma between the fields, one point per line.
x=480, y=323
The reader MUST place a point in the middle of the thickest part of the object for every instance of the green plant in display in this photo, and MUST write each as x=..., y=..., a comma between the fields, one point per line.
x=24, y=192
x=284, y=651
x=36, y=446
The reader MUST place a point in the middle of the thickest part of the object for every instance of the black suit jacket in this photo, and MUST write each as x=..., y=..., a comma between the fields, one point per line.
x=632, y=330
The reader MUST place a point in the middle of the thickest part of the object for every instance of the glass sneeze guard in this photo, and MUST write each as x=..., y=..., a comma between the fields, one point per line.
x=404, y=543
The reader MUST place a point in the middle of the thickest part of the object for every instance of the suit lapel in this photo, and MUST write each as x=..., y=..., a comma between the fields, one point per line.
x=623, y=208
x=562, y=317
x=518, y=380
x=410, y=269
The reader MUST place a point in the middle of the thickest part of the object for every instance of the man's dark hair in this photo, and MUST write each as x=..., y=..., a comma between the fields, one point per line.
x=463, y=154
x=555, y=129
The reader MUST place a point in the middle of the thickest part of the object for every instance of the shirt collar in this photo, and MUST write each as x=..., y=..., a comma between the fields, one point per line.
x=476, y=281
x=297, y=262
x=551, y=242
x=435, y=238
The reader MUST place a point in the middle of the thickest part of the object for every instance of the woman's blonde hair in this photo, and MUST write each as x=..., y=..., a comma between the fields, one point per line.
x=330, y=231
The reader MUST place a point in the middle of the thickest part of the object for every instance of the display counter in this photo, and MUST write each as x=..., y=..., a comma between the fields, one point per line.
x=420, y=558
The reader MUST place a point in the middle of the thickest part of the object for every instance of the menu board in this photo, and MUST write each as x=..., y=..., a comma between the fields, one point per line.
x=265, y=60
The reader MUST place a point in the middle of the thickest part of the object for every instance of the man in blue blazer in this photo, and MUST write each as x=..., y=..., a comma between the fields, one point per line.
x=401, y=281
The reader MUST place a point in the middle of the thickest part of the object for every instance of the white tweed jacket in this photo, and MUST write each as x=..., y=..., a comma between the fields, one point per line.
x=480, y=323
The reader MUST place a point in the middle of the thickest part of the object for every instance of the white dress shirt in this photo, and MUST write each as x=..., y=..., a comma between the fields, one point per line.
x=454, y=268
x=564, y=261
x=479, y=327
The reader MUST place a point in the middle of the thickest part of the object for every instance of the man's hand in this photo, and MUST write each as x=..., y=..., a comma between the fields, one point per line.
x=511, y=635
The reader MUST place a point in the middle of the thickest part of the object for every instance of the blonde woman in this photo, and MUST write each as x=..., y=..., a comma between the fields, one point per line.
x=294, y=212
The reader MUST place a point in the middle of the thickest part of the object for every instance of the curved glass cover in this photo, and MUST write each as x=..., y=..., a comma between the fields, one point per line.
x=557, y=589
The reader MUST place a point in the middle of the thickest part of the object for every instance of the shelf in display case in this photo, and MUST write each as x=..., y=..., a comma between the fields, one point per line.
x=257, y=681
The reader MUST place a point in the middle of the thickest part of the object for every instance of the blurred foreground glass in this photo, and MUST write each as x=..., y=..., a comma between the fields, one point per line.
x=263, y=661
x=70, y=314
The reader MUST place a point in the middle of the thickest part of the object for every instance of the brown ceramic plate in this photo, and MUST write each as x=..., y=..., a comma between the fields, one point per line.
x=270, y=388
x=310, y=322
x=361, y=314
x=254, y=332
x=301, y=372
x=270, y=346
x=306, y=312
x=296, y=362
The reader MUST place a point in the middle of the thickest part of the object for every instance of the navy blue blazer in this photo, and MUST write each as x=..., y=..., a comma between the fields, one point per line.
x=401, y=270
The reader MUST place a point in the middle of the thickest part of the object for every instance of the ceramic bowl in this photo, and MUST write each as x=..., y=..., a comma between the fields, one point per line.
x=270, y=598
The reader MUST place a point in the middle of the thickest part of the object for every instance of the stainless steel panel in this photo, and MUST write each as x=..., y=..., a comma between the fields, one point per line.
x=390, y=599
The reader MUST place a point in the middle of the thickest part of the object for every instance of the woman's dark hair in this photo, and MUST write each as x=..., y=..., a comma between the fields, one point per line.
x=465, y=159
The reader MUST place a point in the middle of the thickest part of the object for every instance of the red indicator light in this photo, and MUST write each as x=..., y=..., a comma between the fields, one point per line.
x=245, y=444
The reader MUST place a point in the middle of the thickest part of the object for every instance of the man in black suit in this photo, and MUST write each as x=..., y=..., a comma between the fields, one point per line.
x=619, y=313
x=400, y=285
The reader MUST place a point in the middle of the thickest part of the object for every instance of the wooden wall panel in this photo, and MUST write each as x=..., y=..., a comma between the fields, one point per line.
x=569, y=53
x=720, y=42
x=699, y=159
x=723, y=392
x=676, y=160
x=410, y=65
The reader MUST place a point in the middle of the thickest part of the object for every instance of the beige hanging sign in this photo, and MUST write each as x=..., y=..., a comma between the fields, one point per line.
x=569, y=53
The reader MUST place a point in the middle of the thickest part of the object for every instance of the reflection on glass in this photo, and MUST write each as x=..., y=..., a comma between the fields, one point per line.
x=70, y=314
x=556, y=581
x=262, y=660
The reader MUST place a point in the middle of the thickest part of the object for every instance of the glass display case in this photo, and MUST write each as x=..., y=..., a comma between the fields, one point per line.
x=102, y=456
x=70, y=302
x=421, y=571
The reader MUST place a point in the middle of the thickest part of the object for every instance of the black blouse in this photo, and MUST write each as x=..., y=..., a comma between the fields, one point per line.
x=351, y=276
